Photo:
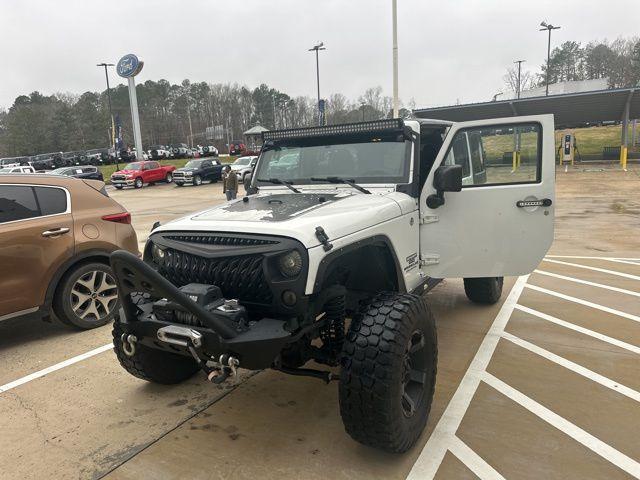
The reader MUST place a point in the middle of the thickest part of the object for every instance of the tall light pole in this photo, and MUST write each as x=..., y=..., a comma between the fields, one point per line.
x=111, y=125
x=316, y=49
x=519, y=85
x=394, y=17
x=548, y=27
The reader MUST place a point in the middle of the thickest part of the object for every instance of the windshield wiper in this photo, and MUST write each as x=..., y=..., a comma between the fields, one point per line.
x=277, y=181
x=346, y=181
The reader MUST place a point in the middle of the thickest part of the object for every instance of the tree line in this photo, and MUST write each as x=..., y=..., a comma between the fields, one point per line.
x=169, y=113
x=618, y=61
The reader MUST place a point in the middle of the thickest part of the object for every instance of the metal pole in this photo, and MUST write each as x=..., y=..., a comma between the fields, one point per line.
x=274, y=112
x=519, y=85
x=394, y=7
x=316, y=48
x=318, y=83
x=133, y=101
x=548, y=27
x=190, y=129
x=112, y=128
x=548, y=59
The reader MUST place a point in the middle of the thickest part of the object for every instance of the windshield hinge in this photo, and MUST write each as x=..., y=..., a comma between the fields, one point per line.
x=428, y=219
x=429, y=259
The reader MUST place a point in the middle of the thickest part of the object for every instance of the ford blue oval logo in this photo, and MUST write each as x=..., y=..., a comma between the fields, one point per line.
x=128, y=66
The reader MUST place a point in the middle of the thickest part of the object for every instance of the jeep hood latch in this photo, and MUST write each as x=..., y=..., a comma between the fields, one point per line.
x=324, y=239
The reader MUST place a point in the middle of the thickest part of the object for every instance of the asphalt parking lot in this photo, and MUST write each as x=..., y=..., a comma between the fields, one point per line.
x=544, y=385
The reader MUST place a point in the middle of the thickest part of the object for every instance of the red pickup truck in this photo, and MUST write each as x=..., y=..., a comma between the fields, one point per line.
x=136, y=174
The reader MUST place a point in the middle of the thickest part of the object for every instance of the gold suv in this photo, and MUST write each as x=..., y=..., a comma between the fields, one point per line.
x=56, y=234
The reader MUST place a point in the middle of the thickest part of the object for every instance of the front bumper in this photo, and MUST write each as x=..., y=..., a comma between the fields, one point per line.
x=256, y=345
x=127, y=182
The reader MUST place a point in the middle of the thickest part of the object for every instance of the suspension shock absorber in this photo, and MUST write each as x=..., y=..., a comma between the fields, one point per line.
x=332, y=334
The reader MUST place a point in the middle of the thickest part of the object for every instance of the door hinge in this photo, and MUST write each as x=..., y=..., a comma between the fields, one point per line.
x=429, y=259
x=428, y=219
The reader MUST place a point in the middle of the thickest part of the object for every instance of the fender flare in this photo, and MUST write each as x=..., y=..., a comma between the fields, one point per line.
x=326, y=262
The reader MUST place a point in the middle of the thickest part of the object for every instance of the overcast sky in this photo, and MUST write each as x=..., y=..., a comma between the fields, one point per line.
x=449, y=50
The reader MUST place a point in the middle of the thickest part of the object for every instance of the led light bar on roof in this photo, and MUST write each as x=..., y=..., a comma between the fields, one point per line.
x=344, y=129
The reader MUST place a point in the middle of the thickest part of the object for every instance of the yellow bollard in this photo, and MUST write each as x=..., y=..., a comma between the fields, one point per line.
x=518, y=158
x=515, y=160
x=623, y=157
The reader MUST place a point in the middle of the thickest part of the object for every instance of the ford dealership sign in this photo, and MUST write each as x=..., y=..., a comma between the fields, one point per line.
x=129, y=66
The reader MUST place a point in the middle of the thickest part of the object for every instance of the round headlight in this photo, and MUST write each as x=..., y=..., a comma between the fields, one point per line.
x=290, y=264
x=157, y=252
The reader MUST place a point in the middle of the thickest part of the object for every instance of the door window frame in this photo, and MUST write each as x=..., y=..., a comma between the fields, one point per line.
x=498, y=126
x=33, y=187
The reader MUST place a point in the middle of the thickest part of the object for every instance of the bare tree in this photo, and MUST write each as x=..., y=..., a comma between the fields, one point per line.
x=510, y=78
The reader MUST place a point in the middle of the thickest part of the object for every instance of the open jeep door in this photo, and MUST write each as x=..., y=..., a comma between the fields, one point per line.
x=501, y=222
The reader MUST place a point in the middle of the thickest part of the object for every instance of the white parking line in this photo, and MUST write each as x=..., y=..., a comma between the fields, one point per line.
x=41, y=373
x=441, y=439
x=586, y=303
x=628, y=262
x=610, y=259
x=595, y=269
x=578, y=328
x=592, y=443
x=574, y=367
x=473, y=461
x=586, y=282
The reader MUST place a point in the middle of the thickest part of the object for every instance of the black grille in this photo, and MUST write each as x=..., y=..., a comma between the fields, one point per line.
x=239, y=277
x=218, y=240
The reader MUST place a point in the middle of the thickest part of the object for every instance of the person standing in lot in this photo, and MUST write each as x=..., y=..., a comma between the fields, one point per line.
x=230, y=183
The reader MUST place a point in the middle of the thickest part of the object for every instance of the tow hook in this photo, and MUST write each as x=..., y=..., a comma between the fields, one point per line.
x=129, y=344
x=227, y=366
x=216, y=371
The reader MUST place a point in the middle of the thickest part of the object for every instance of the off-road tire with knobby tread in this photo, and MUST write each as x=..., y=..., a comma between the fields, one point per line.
x=150, y=364
x=484, y=290
x=371, y=378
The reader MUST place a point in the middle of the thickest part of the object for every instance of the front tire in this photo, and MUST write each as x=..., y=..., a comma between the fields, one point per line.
x=484, y=290
x=168, y=178
x=87, y=296
x=153, y=365
x=197, y=180
x=388, y=373
x=138, y=183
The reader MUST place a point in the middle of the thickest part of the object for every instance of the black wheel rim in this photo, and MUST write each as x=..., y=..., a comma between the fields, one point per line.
x=414, y=376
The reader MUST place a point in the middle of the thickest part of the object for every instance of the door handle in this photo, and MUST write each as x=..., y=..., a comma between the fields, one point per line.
x=55, y=232
x=545, y=202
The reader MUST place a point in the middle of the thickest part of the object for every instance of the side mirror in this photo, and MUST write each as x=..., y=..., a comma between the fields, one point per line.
x=446, y=178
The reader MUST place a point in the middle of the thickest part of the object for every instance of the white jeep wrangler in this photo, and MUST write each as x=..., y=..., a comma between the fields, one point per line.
x=328, y=257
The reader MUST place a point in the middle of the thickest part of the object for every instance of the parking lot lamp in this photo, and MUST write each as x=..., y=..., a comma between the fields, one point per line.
x=316, y=49
x=111, y=124
x=548, y=27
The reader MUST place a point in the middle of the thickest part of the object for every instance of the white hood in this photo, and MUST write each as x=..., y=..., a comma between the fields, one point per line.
x=338, y=212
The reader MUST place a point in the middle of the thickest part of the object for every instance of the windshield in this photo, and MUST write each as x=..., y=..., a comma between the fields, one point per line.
x=5, y=170
x=242, y=161
x=193, y=164
x=376, y=161
x=61, y=171
x=133, y=166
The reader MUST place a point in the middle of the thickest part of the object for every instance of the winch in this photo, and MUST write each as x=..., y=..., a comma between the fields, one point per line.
x=208, y=297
